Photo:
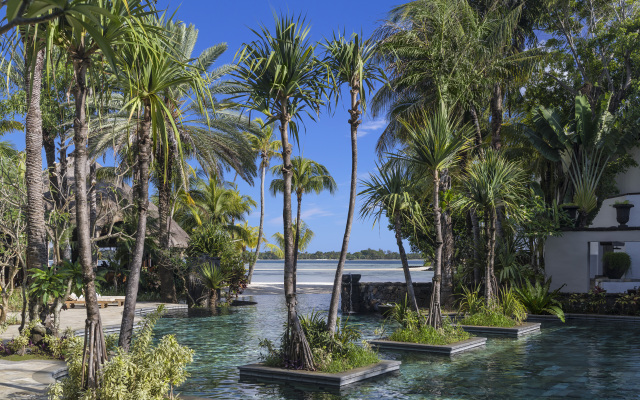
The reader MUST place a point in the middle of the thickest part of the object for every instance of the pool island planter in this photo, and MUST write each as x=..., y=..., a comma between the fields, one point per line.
x=447, y=350
x=261, y=372
x=527, y=328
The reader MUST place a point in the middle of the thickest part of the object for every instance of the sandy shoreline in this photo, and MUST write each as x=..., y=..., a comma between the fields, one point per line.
x=278, y=288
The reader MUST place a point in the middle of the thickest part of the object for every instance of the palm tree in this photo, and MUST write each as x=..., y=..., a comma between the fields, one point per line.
x=37, y=250
x=83, y=39
x=351, y=63
x=280, y=76
x=491, y=183
x=267, y=148
x=306, y=236
x=212, y=135
x=435, y=145
x=388, y=192
x=147, y=75
x=211, y=203
x=213, y=278
x=308, y=176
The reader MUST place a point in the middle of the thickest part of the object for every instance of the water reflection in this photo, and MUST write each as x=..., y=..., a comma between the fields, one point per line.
x=579, y=360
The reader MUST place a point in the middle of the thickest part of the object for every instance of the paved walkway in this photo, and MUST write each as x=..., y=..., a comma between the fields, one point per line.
x=74, y=318
x=30, y=379
x=27, y=379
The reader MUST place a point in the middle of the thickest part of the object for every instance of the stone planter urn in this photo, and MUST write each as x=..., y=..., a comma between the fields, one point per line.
x=622, y=214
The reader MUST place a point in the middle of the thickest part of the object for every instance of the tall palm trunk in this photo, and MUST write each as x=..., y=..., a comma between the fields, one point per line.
x=95, y=350
x=167, y=284
x=354, y=121
x=297, y=348
x=93, y=208
x=496, y=116
x=37, y=251
x=475, y=228
x=262, y=179
x=435, y=314
x=446, y=287
x=490, y=279
x=296, y=241
x=411, y=295
x=142, y=200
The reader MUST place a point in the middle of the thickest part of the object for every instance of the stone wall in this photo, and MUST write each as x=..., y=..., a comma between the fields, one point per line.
x=365, y=296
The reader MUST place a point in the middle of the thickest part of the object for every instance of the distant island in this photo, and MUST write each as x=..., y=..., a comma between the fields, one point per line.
x=368, y=254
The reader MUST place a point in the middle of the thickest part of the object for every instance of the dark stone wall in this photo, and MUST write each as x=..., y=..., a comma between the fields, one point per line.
x=365, y=296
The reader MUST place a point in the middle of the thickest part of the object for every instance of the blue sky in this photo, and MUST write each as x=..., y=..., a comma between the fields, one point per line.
x=325, y=141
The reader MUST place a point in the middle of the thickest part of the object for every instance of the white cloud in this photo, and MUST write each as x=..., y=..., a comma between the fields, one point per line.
x=314, y=212
x=372, y=126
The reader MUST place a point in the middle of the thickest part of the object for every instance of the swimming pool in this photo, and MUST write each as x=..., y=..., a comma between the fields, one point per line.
x=580, y=359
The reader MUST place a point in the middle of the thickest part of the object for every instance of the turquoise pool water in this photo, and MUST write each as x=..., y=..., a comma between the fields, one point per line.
x=581, y=360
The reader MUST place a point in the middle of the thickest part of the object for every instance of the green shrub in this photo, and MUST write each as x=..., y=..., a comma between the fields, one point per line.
x=404, y=315
x=470, y=301
x=616, y=264
x=511, y=305
x=146, y=372
x=428, y=335
x=489, y=317
x=538, y=299
x=336, y=353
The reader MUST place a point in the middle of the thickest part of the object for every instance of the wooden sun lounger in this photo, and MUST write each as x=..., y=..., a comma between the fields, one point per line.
x=101, y=303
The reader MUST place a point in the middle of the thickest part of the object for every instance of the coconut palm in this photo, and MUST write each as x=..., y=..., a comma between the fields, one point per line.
x=307, y=176
x=388, y=192
x=267, y=148
x=210, y=202
x=306, y=236
x=279, y=75
x=351, y=63
x=435, y=145
x=491, y=183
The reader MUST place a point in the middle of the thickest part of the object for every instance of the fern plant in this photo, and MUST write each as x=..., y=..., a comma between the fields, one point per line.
x=538, y=299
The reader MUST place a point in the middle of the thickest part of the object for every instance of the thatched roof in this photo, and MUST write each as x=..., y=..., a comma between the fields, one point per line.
x=112, y=197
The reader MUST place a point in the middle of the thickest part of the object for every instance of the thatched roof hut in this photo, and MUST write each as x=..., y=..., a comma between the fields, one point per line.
x=113, y=197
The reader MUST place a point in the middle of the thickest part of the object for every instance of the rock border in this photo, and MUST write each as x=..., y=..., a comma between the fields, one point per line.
x=261, y=372
x=526, y=328
x=448, y=350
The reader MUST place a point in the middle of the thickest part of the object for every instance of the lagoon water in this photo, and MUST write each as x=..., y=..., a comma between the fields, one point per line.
x=322, y=272
x=578, y=360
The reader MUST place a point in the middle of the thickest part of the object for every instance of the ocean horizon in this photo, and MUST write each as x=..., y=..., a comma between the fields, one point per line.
x=322, y=272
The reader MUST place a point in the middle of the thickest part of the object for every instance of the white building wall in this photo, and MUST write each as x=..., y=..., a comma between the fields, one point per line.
x=567, y=257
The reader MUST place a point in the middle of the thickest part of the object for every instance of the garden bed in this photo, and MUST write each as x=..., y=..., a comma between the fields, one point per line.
x=524, y=329
x=332, y=380
x=449, y=349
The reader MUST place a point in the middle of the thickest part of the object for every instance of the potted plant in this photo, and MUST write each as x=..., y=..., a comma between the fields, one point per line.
x=616, y=264
x=571, y=209
x=622, y=212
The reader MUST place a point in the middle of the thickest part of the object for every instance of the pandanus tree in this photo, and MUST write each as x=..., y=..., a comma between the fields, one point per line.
x=280, y=76
x=435, y=145
x=308, y=176
x=389, y=192
x=84, y=36
x=352, y=63
x=489, y=184
x=267, y=148
x=212, y=135
x=146, y=75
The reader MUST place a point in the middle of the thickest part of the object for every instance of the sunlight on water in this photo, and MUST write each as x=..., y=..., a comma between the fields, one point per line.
x=576, y=360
